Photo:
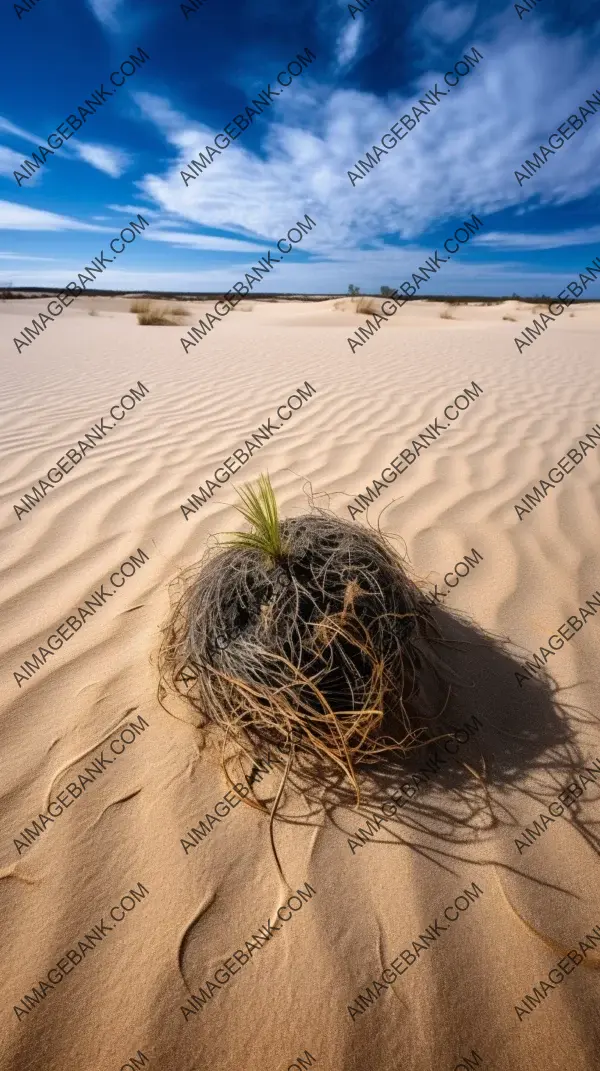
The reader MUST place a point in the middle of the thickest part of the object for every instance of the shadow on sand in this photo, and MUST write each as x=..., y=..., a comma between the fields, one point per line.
x=495, y=747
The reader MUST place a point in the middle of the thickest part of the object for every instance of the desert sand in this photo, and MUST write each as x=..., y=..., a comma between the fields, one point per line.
x=473, y=912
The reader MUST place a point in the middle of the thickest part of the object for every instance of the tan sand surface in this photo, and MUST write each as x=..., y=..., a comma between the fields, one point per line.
x=453, y=998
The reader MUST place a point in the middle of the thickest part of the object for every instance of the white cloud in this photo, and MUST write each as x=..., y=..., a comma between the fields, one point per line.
x=9, y=161
x=446, y=21
x=505, y=240
x=460, y=159
x=129, y=209
x=21, y=256
x=103, y=157
x=165, y=223
x=17, y=217
x=348, y=43
x=205, y=241
x=106, y=11
x=10, y=128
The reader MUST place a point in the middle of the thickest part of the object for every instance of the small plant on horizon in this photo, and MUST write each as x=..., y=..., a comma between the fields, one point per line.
x=386, y=291
x=353, y=290
x=150, y=312
x=368, y=305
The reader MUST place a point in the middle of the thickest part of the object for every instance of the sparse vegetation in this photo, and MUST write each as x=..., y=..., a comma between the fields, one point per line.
x=446, y=314
x=386, y=291
x=93, y=312
x=152, y=312
x=329, y=640
x=508, y=317
x=353, y=290
x=368, y=305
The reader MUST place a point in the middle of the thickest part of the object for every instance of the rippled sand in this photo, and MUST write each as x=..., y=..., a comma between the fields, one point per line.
x=370, y=900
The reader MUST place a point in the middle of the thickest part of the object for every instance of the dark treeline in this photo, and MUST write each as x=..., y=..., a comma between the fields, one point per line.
x=8, y=293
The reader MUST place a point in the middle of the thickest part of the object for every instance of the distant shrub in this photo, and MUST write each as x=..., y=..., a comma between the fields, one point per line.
x=513, y=318
x=353, y=290
x=151, y=312
x=386, y=291
x=368, y=305
x=446, y=314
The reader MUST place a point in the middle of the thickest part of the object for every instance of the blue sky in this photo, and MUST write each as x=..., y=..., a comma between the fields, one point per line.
x=369, y=70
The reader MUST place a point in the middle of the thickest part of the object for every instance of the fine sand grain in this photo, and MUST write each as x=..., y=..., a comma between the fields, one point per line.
x=155, y=982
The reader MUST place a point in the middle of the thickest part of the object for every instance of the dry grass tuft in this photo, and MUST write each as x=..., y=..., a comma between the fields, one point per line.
x=325, y=639
x=152, y=312
x=259, y=508
x=509, y=317
x=446, y=314
x=368, y=305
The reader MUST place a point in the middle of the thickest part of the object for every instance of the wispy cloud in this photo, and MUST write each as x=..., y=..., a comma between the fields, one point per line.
x=348, y=43
x=11, y=128
x=127, y=209
x=460, y=159
x=505, y=240
x=205, y=241
x=9, y=161
x=23, y=256
x=446, y=21
x=111, y=161
x=17, y=217
x=106, y=12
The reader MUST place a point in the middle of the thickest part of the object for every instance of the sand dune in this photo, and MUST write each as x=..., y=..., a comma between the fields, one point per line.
x=364, y=901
